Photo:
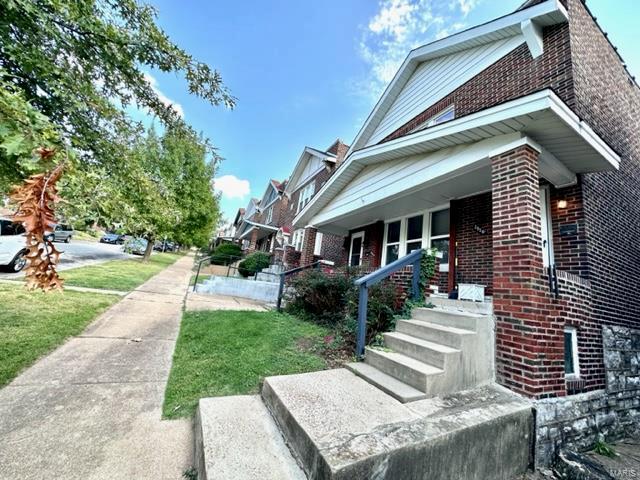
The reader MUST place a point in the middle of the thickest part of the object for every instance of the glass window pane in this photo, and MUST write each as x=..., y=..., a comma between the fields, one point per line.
x=440, y=223
x=568, y=353
x=442, y=246
x=411, y=246
x=414, y=228
x=392, y=253
x=393, y=232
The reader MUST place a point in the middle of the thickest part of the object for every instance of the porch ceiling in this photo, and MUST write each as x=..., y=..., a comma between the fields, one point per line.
x=568, y=146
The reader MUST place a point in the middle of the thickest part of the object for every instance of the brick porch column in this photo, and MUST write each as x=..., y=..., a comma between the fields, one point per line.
x=308, y=245
x=253, y=241
x=529, y=348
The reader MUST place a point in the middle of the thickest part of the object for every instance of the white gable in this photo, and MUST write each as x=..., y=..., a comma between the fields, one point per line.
x=434, y=79
x=313, y=165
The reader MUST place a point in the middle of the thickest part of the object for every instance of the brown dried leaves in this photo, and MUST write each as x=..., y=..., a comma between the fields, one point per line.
x=36, y=199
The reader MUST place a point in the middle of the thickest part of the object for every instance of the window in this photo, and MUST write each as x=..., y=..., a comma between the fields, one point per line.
x=405, y=235
x=305, y=195
x=357, y=246
x=269, y=214
x=448, y=114
x=439, y=236
x=571, y=367
x=317, y=248
x=297, y=239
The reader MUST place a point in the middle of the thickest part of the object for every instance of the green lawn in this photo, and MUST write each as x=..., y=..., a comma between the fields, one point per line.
x=229, y=353
x=34, y=323
x=122, y=275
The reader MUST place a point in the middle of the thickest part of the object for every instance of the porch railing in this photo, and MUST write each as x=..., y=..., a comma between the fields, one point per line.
x=363, y=284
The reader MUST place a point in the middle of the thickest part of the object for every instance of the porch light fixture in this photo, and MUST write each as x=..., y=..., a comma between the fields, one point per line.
x=562, y=204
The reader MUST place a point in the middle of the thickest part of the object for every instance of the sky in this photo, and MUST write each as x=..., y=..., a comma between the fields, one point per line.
x=307, y=72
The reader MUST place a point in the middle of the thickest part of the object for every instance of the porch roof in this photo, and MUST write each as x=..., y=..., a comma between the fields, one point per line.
x=429, y=157
x=250, y=226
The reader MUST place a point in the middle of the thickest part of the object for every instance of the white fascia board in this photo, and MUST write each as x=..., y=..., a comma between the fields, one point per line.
x=457, y=40
x=555, y=171
x=293, y=179
x=584, y=130
x=242, y=236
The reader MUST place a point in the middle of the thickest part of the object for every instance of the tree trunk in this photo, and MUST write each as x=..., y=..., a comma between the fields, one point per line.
x=148, y=250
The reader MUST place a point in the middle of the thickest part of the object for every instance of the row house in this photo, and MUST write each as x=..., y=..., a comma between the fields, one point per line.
x=266, y=224
x=513, y=149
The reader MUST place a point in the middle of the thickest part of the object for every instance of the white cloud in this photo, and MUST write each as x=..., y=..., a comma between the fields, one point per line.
x=163, y=98
x=231, y=186
x=400, y=26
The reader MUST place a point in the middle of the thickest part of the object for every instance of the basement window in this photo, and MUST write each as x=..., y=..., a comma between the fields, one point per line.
x=571, y=366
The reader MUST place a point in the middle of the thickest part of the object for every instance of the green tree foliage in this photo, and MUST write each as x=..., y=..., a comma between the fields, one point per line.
x=79, y=62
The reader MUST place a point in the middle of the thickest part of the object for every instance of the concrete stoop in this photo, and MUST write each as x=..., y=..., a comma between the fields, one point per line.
x=340, y=427
x=438, y=351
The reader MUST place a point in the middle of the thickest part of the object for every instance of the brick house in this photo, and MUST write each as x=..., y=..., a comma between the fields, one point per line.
x=311, y=172
x=258, y=227
x=513, y=149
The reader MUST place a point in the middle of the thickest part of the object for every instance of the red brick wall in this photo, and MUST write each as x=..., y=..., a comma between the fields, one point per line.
x=529, y=335
x=471, y=220
x=514, y=75
x=372, y=245
x=609, y=101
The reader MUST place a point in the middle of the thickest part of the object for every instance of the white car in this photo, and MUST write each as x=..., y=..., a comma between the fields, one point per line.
x=12, y=245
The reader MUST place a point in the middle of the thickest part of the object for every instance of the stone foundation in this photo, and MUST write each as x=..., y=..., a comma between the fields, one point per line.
x=577, y=421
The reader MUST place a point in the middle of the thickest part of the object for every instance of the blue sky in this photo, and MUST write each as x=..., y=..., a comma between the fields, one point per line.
x=308, y=72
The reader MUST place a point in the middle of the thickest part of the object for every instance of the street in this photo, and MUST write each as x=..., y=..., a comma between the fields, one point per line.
x=79, y=253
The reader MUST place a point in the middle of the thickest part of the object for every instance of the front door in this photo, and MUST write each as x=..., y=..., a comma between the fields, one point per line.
x=546, y=230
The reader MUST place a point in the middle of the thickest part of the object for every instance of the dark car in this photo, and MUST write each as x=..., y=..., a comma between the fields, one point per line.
x=113, y=238
x=164, y=246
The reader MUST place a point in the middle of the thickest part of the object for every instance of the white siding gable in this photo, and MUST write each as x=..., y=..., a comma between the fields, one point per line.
x=314, y=164
x=434, y=79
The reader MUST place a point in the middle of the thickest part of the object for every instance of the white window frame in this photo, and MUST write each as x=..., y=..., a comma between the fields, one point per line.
x=546, y=227
x=306, y=193
x=317, y=247
x=297, y=239
x=426, y=233
x=269, y=214
x=435, y=120
x=359, y=234
x=573, y=331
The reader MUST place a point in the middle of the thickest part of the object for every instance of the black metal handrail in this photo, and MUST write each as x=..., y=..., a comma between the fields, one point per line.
x=283, y=276
x=363, y=284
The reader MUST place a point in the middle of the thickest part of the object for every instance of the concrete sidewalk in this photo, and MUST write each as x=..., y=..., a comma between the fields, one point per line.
x=92, y=408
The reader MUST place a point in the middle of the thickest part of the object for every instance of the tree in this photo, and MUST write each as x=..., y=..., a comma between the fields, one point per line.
x=79, y=62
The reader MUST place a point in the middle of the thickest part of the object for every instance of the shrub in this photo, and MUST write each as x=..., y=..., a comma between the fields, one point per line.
x=254, y=263
x=332, y=300
x=226, y=254
x=319, y=297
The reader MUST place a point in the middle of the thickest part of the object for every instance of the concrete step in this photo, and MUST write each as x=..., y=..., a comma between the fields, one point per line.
x=449, y=318
x=237, y=439
x=483, y=308
x=406, y=369
x=433, y=332
x=391, y=386
x=267, y=277
x=342, y=428
x=432, y=353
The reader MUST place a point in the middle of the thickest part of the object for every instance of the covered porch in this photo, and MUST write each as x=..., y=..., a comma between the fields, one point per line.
x=257, y=236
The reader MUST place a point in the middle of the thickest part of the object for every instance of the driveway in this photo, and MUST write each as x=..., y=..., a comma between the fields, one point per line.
x=79, y=253
x=91, y=409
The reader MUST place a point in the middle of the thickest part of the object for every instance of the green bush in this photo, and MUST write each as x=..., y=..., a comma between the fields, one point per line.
x=226, y=254
x=320, y=298
x=332, y=300
x=254, y=263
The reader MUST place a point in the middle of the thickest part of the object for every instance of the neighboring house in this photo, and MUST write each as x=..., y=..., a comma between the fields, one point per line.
x=262, y=219
x=513, y=148
x=245, y=217
x=313, y=169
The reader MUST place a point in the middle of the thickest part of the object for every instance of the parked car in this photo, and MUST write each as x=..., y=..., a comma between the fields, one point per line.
x=61, y=233
x=113, y=238
x=12, y=245
x=136, y=246
x=165, y=246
